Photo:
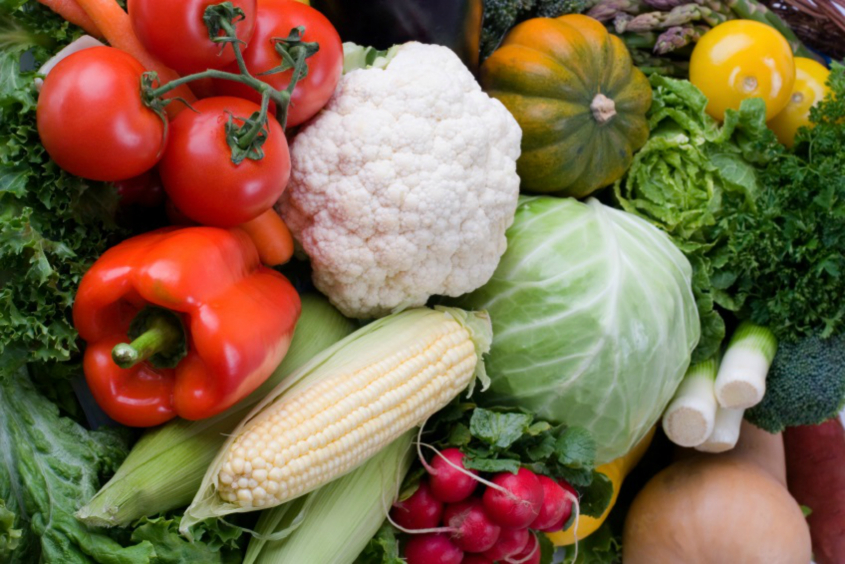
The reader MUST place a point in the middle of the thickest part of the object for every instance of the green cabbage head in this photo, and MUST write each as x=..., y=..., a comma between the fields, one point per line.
x=594, y=320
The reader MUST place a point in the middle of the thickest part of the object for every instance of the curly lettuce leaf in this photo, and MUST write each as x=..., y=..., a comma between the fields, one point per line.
x=52, y=224
x=690, y=175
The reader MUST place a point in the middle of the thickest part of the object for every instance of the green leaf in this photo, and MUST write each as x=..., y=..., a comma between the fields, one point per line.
x=542, y=449
x=49, y=466
x=576, y=448
x=577, y=477
x=215, y=542
x=383, y=548
x=492, y=465
x=460, y=435
x=547, y=549
x=499, y=430
x=52, y=224
x=596, y=497
x=601, y=547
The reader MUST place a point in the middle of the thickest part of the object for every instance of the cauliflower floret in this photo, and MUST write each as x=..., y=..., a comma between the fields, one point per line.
x=403, y=186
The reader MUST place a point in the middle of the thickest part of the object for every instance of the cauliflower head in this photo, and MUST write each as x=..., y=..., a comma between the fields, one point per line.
x=404, y=185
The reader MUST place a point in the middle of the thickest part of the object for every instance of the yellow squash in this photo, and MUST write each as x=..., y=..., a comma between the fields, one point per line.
x=616, y=470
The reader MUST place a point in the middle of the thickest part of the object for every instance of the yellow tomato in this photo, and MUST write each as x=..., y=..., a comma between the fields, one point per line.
x=742, y=59
x=810, y=88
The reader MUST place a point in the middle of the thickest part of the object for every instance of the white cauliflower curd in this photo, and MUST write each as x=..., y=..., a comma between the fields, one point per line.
x=403, y=186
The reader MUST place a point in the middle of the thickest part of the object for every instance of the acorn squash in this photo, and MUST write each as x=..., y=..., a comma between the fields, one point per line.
x=578, y=98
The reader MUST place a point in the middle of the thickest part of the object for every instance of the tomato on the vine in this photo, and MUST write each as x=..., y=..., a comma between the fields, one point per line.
x=742, y=59
x=810, y=88
x=200, y=176
x=175, y=32
x=276, y=19
x=91, y=118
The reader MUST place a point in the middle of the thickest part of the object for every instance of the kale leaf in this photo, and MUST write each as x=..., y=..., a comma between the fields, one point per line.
x=52, y=224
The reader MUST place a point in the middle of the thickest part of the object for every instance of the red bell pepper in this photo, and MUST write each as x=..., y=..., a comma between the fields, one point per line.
x=209, y=324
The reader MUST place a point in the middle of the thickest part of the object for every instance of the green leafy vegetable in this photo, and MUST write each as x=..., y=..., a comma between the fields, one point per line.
x=219, y=542
x=689, y=177
x=581, y=302
x=601, y=547
x=786, y=262
x=52, y=224
x=10, y=537
x=48, y=467
x=383, y=548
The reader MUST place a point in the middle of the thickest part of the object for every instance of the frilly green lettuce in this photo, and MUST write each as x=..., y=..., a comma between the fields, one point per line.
x=692, y=174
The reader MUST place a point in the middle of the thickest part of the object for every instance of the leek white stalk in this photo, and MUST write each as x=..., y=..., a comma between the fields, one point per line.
x=741, y=382
x=725, y=432
x=340, y=518
x=691, y=415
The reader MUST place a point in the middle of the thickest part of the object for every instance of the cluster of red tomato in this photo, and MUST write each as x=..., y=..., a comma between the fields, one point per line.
x=95, y=121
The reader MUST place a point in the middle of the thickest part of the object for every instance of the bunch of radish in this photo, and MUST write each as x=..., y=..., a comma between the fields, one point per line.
x=451, y=520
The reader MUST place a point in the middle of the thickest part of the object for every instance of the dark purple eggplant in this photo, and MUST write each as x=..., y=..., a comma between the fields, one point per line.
x=382, y=23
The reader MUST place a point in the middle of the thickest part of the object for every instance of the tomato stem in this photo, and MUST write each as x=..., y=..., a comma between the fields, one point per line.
x=246, y=140
x=252, y=128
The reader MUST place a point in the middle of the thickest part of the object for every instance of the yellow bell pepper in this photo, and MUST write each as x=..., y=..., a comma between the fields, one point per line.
x=616, y=471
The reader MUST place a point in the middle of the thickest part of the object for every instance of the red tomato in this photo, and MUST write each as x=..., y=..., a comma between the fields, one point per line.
x=91, y=119
x=174, y=31
x=276, y=18
x=198, y=173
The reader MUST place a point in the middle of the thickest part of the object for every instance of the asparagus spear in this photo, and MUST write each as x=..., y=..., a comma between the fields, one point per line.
x=677, y=37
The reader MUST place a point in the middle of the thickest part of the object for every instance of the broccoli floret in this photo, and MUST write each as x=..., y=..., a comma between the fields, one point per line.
x=501, y=15
x=555, y=8
x=805, y=385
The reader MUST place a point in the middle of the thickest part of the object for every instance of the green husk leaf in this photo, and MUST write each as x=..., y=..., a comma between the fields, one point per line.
x=146, y=485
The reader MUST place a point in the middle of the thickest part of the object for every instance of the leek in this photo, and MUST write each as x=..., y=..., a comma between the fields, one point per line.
x=340, y=518
x=165, y=469
x=691, y=415
x=725, y=432
x=741, y=382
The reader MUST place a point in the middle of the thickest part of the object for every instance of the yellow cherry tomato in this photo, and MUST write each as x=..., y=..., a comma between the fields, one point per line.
x=810, y=88
x=742, y=59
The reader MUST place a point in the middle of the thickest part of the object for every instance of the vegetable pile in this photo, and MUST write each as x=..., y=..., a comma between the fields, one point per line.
x=267, y=297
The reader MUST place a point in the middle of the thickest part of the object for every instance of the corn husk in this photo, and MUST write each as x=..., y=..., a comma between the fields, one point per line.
x=364, y=348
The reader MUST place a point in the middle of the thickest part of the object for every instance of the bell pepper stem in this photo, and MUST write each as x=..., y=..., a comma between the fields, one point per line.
x=161, y=335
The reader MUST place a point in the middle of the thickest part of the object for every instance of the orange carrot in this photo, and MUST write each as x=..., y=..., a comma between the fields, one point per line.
x=70, y=11
x=271, y=236
x=110, y=18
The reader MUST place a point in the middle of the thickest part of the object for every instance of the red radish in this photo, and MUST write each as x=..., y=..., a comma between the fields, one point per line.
x=473, y=529
x=510, y=542
x=476, y=559
x=555, y=509
x=570, y=494
x=420, y=511
x=520, y=505
x=435, y=548
x=528, y=555
x=448, y=484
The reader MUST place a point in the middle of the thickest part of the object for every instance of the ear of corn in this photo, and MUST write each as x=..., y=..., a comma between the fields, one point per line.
x=344, y=406
x=165, y=469
x=351, y=509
